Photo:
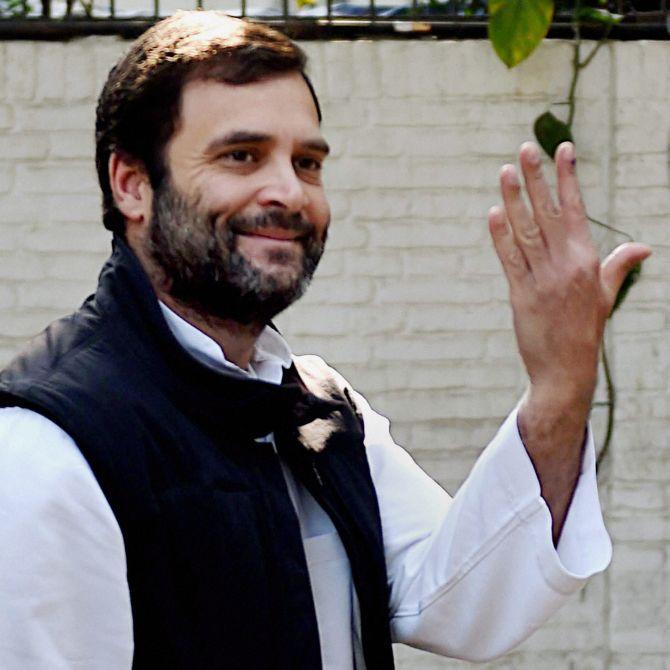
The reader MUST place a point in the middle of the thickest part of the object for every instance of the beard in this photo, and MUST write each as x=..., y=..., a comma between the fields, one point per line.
x=202, y=268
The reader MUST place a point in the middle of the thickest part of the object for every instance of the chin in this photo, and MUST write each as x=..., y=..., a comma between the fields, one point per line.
x=283, y=270
x=283, y=279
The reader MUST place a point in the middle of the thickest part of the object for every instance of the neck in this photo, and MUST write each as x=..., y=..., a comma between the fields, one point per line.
x=237, y=341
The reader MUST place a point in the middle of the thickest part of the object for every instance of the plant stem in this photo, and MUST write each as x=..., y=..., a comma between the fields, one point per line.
x=577, y=66
x=573, y=84
x=576, y=63
x=595, y=49
x=602, y=224
x=611, y=405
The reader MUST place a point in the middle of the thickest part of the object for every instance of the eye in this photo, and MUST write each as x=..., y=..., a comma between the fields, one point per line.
x=239, y=156
x=309, y=163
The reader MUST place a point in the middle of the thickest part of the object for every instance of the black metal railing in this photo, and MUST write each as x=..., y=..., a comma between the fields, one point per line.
x=57, y=19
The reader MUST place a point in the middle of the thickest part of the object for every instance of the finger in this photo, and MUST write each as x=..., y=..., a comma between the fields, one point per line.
x=545, y=211
x=569, y=194
x=617, y=265
x=513, y=261
x=527, y=233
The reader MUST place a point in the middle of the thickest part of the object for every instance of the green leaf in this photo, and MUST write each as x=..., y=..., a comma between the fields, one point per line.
x=14, y=8
x=601, y=16
x=632, y=277
x=550, y=132
x=516, y=27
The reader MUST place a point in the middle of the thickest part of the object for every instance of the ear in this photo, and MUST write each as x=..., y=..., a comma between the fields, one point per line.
x=131, y=188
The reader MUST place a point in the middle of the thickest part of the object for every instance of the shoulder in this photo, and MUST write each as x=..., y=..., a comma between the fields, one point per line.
x=314, y=370
x=46, y=352
x=312, y=365
x=320, y=378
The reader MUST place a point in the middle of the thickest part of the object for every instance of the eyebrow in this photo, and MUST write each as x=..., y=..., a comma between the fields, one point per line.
x=317, y=145
x=246, y=137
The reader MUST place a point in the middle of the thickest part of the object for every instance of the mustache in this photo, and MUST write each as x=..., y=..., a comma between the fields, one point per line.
x=272, y=218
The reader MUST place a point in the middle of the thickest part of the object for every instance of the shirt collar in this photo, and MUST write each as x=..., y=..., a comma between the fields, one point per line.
x=271, y=353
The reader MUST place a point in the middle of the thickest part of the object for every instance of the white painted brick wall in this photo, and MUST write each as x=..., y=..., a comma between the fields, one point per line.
x=409, y=302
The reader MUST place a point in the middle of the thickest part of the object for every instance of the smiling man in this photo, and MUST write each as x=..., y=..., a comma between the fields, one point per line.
x=238, y=224
x=178, y=491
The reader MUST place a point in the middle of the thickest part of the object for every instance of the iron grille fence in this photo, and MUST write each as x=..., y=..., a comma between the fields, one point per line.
x=58, y=19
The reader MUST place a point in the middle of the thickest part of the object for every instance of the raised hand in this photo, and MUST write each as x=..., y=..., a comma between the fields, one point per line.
x=561, y=297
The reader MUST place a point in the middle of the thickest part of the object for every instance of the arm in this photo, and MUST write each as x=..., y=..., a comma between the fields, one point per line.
x=65, y=600
x=561, y=297
x=472, y=577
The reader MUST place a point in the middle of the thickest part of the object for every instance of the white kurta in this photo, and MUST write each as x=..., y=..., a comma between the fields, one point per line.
x=470, y=577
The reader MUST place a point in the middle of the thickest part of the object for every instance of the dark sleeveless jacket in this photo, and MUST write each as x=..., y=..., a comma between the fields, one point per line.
x=215, y=561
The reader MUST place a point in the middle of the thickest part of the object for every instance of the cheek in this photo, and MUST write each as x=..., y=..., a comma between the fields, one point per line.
x=319, y=214
x=223, y=195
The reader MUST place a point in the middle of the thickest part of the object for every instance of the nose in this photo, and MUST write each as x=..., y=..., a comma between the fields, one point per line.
x=283, y=188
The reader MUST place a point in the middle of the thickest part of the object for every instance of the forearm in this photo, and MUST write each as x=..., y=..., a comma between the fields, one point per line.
x=553, y=431
x=491, y=574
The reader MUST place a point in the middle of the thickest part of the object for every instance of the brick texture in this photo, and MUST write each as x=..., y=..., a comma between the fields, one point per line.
x=410, y=303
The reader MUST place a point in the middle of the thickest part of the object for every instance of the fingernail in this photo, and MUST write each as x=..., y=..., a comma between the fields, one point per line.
x=533, y=154
x=510, y=173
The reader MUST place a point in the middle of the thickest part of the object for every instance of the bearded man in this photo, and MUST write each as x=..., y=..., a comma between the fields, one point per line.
x=178, y=491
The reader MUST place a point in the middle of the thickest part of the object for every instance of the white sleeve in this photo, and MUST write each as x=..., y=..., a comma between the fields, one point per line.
x=64, y=596
x=472, y=577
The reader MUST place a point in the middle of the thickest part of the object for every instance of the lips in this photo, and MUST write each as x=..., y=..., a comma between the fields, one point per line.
x=279, y=234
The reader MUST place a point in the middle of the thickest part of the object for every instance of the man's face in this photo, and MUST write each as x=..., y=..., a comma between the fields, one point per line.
x=239, y=224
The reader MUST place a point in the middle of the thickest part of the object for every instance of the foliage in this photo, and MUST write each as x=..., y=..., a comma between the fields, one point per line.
x=14, y=8
x=472, y=7
x=516, y=27
x=550, y=131
x=628, y=282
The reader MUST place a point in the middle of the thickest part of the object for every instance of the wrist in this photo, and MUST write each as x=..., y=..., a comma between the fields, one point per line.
x=550, y=419
x=567, y=398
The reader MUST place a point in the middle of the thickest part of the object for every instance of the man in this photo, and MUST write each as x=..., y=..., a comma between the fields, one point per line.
x=177, y=491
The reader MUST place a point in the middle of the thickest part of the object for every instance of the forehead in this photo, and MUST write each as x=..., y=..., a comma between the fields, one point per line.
x=281, y=106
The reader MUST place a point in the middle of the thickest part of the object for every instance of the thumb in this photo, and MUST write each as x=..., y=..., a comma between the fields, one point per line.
x=617, y=265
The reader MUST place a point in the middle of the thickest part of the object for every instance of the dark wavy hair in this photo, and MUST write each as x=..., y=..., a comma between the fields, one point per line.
x=138, y=109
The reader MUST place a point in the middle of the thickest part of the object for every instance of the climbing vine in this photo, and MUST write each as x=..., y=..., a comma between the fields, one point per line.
x=516, y=28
